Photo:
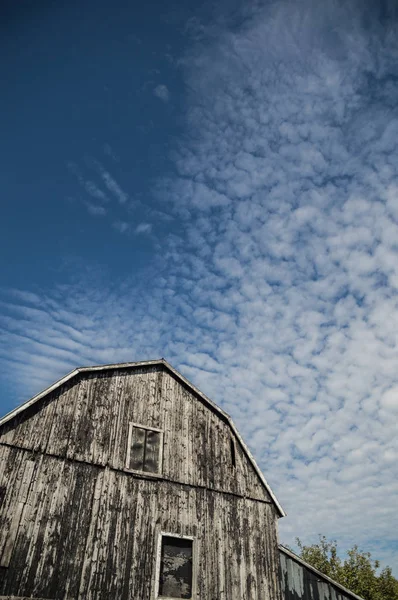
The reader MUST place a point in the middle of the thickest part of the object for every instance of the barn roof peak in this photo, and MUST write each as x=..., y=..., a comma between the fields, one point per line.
x=167, y=367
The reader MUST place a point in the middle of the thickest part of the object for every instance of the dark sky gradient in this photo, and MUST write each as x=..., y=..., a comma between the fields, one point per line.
x=78, y=78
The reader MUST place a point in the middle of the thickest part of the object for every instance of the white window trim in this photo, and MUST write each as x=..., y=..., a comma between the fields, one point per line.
x=194, y=541
x=147, y=474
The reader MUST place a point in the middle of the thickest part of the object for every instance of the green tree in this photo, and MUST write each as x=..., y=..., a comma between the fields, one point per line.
x=357, y=571
x=322, y=556
x=388, y=585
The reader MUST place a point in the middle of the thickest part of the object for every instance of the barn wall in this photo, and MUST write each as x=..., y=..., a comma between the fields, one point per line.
x=87, y=419
x=73, y=530
x=301, y=583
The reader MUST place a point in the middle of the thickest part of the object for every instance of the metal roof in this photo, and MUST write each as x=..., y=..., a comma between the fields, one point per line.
x=294, y=556
x=150, y=363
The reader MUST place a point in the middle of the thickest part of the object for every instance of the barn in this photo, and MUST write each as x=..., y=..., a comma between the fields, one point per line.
x=126, y=482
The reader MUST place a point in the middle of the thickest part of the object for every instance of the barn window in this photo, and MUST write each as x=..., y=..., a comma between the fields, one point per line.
x=175, y=567
x=144, y=449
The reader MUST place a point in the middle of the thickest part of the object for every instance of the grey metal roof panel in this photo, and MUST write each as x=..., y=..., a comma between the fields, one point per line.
x=321, y=575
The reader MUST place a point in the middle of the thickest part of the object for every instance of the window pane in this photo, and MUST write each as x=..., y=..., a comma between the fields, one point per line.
x=137, y=451
x=152, y=452
x=176, y=568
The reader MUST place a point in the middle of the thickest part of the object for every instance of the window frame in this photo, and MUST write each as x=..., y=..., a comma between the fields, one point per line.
x=128, y=455
x=161, y=535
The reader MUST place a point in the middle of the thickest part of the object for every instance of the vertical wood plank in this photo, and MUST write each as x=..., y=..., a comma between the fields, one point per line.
x=21, y=495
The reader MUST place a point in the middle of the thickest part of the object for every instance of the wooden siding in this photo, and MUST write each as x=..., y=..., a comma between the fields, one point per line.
x=88, y=418
x=90, y=531
x=302, y=582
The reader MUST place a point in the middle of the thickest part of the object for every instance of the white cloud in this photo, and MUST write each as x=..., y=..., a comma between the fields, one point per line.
x=389, y=400
x=89, y=186
x=121, y=226
x=111, y=184
x=93, y=188
x=161, y=91
x=95, y=209
x=143, y=228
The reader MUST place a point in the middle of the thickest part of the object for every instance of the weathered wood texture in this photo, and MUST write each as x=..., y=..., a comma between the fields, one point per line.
x=88, y=531
x=88, y=420
x=302, y=583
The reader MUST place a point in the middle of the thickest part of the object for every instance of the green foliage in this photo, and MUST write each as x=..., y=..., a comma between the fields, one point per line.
x=357, y=571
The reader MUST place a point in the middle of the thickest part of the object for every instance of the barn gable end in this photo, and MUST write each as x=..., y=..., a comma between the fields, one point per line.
x=87, y=417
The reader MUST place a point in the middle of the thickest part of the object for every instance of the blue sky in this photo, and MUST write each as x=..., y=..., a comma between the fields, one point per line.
x=216, y=184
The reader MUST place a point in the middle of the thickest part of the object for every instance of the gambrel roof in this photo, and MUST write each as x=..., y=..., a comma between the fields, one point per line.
x=168, y=368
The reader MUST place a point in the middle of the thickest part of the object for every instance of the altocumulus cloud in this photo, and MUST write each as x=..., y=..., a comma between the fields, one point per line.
x=161, y=91
x=279, y=295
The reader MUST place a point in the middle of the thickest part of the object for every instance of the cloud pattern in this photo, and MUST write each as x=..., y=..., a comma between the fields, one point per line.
x=161, y=91
x=277, y=295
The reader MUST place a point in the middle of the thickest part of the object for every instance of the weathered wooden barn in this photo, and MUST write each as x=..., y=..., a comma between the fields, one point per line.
x=125, y=482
